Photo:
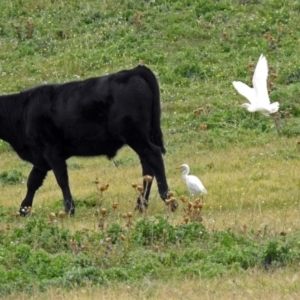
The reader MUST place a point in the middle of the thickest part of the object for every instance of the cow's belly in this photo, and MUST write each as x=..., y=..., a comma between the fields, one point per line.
x=108, y=148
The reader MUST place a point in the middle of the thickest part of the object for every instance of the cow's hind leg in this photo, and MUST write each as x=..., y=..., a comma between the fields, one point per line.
x=35, y=180
x=59, y=167
x=151, y=158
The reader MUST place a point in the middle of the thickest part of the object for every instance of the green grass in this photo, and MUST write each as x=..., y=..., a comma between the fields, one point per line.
x=196, y=49
x=36, y=253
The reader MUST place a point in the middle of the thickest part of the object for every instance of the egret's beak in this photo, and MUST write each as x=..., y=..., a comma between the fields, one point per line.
x=179, y=167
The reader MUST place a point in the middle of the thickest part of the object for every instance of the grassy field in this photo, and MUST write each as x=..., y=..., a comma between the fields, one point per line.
x=244, y=244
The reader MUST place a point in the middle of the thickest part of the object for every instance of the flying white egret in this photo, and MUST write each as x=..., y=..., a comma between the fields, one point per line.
x=193, y=183
x=258, y=95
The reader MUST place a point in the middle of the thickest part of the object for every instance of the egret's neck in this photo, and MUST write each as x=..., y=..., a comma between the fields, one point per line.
x=185, y=173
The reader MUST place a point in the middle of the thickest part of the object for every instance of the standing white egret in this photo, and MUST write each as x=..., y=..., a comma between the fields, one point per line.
x=193, y=183
x=258, y=96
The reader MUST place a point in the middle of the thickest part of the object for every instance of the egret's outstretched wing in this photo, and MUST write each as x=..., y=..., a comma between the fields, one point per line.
x=245, y=91
x=259, y=81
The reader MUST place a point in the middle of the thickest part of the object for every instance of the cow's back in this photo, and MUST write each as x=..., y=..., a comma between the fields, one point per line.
x=95, y=116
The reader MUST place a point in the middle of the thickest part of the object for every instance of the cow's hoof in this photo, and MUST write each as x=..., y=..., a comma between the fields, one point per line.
x=69, y=207
x=24, y=211
x=70, y=212
x=141, y=206
x=174, y=205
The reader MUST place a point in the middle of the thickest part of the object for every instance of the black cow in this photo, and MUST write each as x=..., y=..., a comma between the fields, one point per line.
x=48, y=124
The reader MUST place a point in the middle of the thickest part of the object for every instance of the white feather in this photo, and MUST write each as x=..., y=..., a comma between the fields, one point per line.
x=258, y=95
x=193, y=183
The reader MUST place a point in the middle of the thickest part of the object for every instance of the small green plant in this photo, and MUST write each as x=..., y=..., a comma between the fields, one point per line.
x=12, y=177
x=40, y=252
x=4, y=147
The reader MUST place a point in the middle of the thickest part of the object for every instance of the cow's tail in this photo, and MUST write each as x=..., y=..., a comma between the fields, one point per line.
x=156, y=133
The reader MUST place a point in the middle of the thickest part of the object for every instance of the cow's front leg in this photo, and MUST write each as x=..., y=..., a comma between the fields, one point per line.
x=59, y=167
x=35, y=180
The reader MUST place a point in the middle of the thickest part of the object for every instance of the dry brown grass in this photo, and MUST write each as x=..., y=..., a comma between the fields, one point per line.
x=247, y=187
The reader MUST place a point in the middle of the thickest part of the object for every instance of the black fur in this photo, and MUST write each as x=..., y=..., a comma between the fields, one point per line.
x=48, y=124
